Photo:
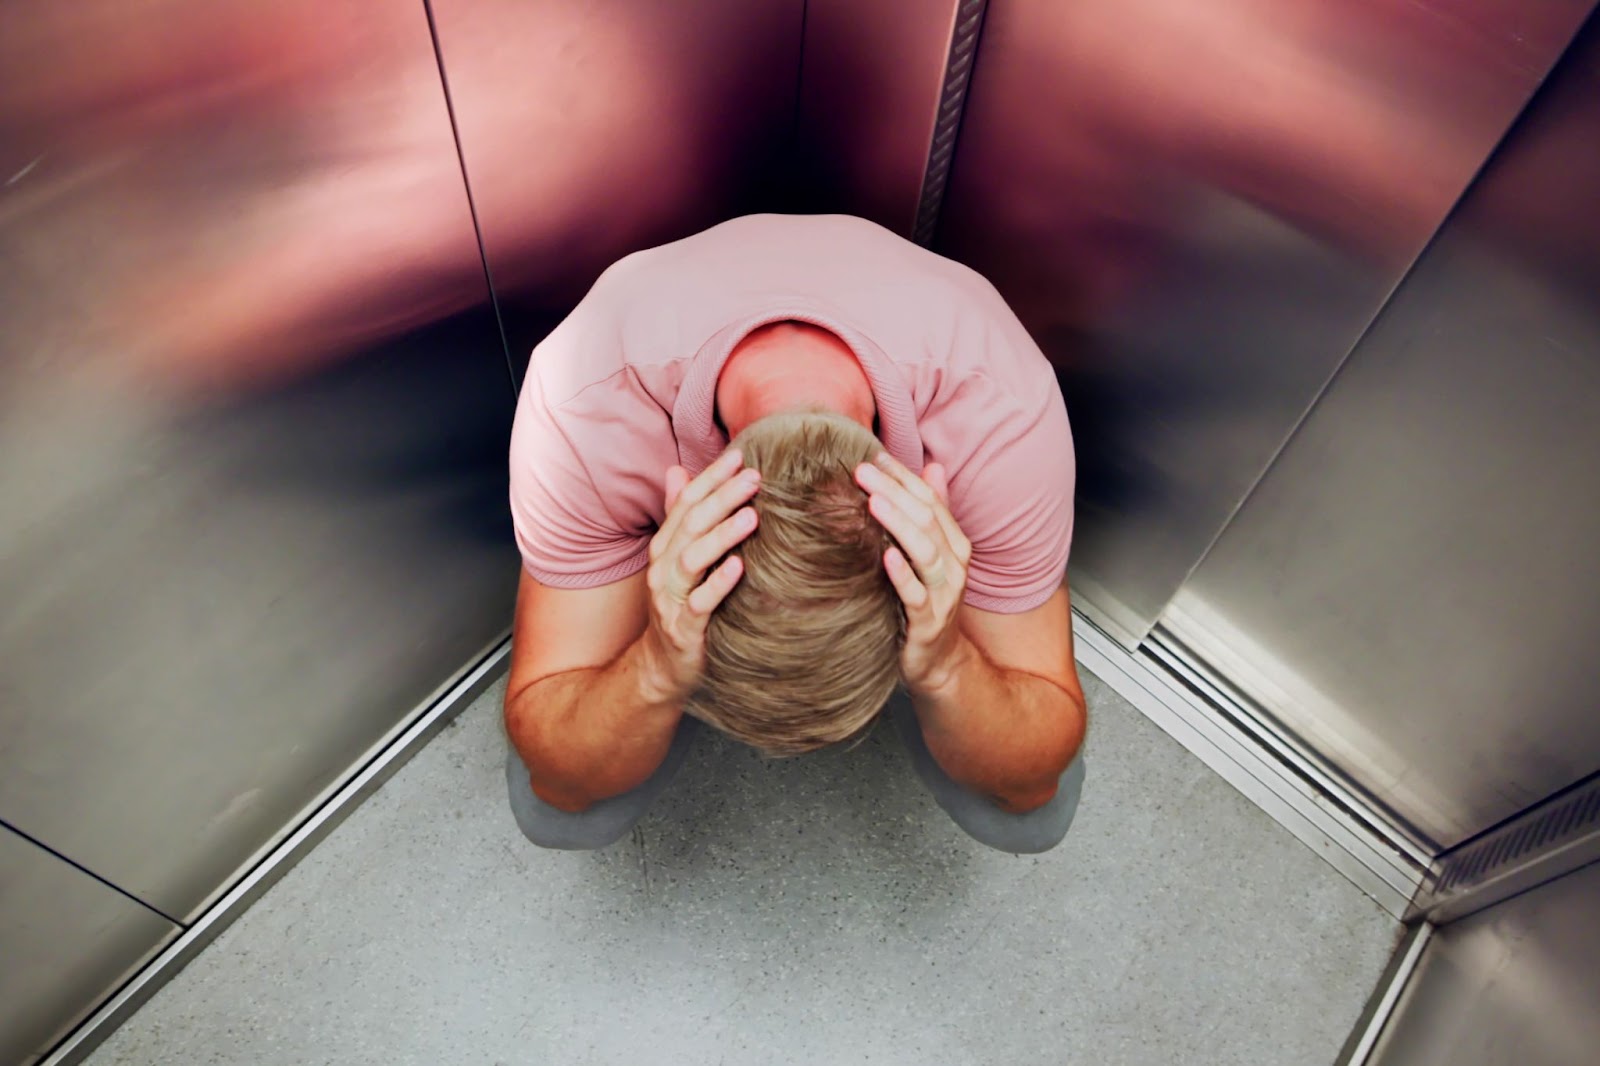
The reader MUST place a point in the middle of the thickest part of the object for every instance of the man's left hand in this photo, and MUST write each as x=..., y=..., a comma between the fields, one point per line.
x=932, y=581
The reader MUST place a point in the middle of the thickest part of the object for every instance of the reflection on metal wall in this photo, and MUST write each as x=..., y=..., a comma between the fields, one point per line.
x=1197, y=208
x=592, y=130
x=244, y=190
x=252, y=420
x=869, y=95
x=1412, y=587
x=1517, y=983
x=64, y=938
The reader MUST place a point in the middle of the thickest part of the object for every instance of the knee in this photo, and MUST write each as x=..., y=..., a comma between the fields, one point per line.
x=566, y=832
x=1034, y=834
x=1034, y=842
x=1044, y=827
x=548, y=827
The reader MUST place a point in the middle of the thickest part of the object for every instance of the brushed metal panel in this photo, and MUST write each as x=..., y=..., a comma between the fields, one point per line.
x=869, y=99
x=1412, y=586
x=592, y=130
x=253, y=421
x=243, y=894
x=1197, y=209
x=65, y=940
x=1542, y=843
x=1517, y=983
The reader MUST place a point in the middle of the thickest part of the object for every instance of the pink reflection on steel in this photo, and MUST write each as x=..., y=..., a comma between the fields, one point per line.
x=229, y=192
x=590, y=131
x=1093, y=126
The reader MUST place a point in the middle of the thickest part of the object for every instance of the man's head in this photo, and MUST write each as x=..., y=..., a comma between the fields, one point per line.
x=805, y=650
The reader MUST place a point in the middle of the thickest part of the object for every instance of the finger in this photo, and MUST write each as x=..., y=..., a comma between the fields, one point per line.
x=714, y=589
x=916, y=496
x=677, y=478
x=913, y=593
x=681, y=564
x=917, y=540
x=901, y=474
x=695, y=490
x=703, y=517
x=938, y=479
x=920, y=504
x=717, y=543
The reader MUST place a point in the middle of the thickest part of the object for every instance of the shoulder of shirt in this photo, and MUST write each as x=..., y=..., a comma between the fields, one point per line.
x=557, y=361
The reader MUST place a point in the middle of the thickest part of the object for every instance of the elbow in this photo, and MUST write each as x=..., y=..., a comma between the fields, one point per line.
x=1042, y=784
x=542, y=762
x=553, y=783
x=1033, y=793
x=1026, y=801
x=562, y=799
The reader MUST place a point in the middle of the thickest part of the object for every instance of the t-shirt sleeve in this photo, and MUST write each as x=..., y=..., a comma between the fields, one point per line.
x=583, y=499
x=1013, y=473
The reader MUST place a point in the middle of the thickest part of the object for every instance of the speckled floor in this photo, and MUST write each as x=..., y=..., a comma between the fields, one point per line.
x=819, y=910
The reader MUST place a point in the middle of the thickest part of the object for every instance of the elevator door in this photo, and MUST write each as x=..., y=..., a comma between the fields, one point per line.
x=589, y=131
x=1197, y=208
x=1413, y=588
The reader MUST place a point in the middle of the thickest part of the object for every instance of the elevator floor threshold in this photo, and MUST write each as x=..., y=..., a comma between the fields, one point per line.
x=819, y=910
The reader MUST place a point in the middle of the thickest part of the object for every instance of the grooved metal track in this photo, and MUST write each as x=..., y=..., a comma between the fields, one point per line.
x=952, y=102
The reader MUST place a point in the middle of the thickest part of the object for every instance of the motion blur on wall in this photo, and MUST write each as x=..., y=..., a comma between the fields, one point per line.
x=589, y=131
x=255, y=394
x=1198, y=208
x=253, y=411
x=269, y=274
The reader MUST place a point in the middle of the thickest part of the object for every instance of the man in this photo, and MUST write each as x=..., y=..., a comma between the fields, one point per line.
x=713, y=533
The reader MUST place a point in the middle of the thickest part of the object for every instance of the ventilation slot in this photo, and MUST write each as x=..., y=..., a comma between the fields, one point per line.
x=1546, y=827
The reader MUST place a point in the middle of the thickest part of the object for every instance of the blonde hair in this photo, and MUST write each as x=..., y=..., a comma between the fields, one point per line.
x=805, y=650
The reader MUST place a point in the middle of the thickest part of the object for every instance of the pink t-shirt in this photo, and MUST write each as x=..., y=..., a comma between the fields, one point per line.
x=625, y=387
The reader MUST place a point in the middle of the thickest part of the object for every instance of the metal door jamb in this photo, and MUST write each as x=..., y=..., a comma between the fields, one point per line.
x=952, y=105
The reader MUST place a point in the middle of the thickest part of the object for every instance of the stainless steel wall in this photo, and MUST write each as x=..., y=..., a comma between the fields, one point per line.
x=1517, y=983
x=1198, y=208
x=253, y=416
x=591, y=131
x=253, y=395
x=869, y=94
x=61, y=932
x=1413, y=585
x=253, y=398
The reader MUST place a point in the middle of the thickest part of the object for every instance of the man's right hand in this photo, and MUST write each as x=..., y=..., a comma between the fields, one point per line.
x=704, y=520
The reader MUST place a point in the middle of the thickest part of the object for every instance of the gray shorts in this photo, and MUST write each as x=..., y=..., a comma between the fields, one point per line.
x=610, y=820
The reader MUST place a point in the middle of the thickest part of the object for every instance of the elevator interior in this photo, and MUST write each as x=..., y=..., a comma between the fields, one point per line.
x=1321, y=283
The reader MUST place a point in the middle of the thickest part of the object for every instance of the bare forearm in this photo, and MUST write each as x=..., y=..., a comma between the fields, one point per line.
x=1003, y=733
x=588, y=735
